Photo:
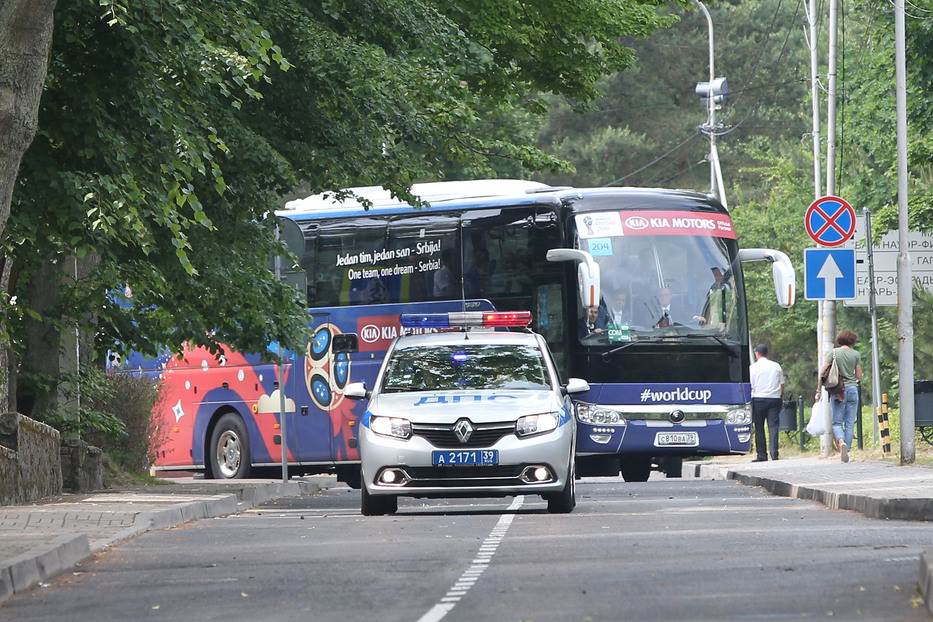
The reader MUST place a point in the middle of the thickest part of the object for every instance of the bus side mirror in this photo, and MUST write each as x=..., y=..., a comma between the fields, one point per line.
x=587, y=273
x=785, y=278
x=356, y=391
x=346, y=342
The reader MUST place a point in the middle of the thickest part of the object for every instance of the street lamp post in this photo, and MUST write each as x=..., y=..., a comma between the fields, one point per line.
x=713, y=90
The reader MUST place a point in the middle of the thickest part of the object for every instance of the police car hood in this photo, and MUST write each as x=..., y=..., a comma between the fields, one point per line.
x=477, y=406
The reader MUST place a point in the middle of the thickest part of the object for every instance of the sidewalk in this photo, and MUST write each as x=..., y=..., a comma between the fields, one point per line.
x=42, y=540
x=876, y=489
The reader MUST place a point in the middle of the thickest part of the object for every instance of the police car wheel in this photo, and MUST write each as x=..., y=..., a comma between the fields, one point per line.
x=229, y=449
x=564, y=501
x=377, y=505
x=636, y=469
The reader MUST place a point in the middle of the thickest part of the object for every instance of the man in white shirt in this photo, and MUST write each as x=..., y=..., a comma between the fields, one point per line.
x=767, y=380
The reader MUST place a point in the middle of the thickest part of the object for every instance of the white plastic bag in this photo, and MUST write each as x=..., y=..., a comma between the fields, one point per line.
x=817, y=424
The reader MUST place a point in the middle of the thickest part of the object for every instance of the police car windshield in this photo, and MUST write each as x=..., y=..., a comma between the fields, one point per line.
x=466, y=366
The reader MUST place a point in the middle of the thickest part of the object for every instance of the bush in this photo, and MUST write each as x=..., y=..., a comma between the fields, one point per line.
x=130, y=400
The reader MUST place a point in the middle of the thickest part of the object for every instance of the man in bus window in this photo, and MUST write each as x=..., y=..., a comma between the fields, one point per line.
x=594, y=322
x=715, y=310
x=665, y=312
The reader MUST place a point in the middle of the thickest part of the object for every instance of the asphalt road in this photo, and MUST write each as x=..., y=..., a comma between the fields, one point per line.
x=662, y=550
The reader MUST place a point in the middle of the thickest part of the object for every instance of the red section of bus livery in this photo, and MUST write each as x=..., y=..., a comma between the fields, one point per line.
x=197, y=385
x=677, y=223
x=377, y=332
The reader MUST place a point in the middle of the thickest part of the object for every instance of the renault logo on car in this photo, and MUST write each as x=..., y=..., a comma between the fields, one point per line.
x=464, y=430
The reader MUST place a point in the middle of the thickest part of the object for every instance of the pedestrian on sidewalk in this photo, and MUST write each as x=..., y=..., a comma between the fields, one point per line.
x=767, y=380
x=844, y=398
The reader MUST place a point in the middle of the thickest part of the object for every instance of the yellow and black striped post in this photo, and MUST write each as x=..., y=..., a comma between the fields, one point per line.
x=883, y=425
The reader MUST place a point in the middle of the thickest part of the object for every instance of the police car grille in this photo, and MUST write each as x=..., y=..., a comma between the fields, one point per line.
x=464, y=477
x=485, y=434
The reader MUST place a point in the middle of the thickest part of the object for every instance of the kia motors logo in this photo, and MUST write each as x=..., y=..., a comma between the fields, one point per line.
x=636, y=222
x=369, y=333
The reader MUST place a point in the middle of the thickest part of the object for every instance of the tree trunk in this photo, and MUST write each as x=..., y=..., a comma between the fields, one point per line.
x=7, y=360
x=25, y=39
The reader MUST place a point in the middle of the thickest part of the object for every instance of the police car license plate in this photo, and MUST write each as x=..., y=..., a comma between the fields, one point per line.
x=478, y=457
x=676, y=439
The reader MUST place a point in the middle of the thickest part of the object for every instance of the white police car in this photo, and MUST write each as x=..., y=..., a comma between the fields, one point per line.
x=469, y=413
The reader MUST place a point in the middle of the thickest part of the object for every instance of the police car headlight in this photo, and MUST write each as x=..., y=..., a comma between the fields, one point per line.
x=536, y=424
x=739, y=416
x=591, y=413
x=391, y=426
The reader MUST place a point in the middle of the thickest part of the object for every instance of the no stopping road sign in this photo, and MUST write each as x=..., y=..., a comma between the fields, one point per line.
x=830, y=221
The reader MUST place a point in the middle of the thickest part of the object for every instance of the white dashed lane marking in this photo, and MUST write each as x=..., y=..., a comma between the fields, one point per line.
x=470, y=576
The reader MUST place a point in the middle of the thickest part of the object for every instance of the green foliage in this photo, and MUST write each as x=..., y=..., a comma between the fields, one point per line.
x=170, y=129
x=80, y=412
x=132, y=400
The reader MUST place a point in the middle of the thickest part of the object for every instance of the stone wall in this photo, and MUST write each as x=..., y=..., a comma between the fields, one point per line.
x=31, y=468
x=82, y=466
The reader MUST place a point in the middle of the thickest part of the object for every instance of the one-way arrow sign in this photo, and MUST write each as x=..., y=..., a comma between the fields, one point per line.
x=830, y=273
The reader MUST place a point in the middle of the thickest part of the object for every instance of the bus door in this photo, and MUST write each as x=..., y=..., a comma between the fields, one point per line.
x=313, y=382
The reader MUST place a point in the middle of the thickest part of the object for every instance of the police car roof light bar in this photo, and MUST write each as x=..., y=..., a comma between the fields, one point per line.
x=489, y=319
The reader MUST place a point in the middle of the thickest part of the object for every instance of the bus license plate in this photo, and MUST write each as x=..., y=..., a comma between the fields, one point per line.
x=478, y=457
x=677, y=439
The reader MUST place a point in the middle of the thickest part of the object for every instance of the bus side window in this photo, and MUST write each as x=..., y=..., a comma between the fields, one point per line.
x=423, y=257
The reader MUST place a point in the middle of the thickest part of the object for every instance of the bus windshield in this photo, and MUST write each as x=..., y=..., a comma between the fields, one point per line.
x=466, y=367
x=664, y=275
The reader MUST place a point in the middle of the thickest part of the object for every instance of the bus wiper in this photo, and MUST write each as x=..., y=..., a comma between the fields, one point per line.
x=732, y=348
x=608, y=353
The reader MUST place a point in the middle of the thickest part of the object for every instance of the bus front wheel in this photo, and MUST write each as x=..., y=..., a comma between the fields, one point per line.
x=636, y=468
x=229, y=448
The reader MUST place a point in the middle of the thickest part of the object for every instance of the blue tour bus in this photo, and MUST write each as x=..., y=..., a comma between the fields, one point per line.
x=639, y=291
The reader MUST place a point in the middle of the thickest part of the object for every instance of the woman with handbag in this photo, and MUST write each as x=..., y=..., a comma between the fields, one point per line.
x=841, y=373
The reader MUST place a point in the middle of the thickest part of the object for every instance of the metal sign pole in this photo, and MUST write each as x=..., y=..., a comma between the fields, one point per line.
x=281, y=378
x=905, y=312
x=829, y=306
x=873, y=310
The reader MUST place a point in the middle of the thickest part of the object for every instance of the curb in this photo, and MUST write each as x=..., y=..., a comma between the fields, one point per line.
x=41, y=564
x=20, y=573
x=872, y=507
x=926, y=578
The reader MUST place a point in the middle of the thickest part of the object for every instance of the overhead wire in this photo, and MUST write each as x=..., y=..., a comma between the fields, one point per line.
x=758, y=103
x=655, y=161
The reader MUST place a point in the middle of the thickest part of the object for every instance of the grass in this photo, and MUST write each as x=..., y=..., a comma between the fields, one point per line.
x=117, y=476
x=790, y=445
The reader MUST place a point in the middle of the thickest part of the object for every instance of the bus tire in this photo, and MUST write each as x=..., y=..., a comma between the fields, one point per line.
x=636, y=468
x=565, y=501
x=673, y=466
x=228, y=451
x=377, y=505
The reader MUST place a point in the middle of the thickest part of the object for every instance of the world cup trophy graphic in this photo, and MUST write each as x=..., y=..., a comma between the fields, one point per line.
x=326, y=376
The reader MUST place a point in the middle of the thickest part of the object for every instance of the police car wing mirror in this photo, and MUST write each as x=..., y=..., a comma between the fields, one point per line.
x=356, y=391
x=576, y=385
x=346, y=342
x=785, y=278
x=587, y=273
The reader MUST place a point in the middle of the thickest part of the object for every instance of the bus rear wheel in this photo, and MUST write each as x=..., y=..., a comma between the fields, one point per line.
x=636, y=468
x=228, y=451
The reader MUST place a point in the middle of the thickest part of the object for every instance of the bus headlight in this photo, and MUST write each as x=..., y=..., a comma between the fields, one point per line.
x=391, y=426
x=593, y=414
x=739, y=416
x=535, y=424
